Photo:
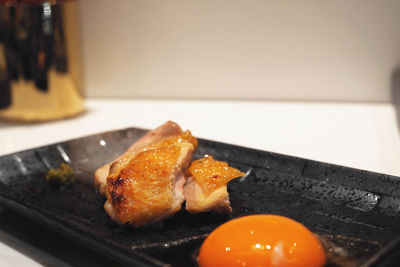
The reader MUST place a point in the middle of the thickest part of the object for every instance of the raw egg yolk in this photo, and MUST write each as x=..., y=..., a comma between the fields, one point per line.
x=261, y=240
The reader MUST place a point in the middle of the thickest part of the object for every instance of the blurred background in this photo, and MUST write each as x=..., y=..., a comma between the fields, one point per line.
x=258, y=49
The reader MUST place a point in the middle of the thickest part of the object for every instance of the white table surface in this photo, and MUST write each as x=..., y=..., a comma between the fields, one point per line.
x=364, y=136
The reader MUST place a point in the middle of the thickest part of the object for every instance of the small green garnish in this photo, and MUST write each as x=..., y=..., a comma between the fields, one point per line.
x=60, y=177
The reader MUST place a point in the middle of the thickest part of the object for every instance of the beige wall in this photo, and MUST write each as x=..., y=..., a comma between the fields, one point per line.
x=254, y=49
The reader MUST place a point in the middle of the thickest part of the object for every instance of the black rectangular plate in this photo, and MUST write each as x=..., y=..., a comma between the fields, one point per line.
x=356, y=211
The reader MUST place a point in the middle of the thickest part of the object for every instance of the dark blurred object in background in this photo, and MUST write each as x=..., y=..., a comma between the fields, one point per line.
x=40, y=73
x=396, y=93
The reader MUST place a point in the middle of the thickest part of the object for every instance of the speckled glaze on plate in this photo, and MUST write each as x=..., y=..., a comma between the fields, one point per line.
x=353, y=210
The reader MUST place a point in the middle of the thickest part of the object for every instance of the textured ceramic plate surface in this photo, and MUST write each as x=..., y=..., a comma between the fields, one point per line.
x=356, y=212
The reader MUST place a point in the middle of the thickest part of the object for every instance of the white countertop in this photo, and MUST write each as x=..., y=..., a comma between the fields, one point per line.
x=364, y=136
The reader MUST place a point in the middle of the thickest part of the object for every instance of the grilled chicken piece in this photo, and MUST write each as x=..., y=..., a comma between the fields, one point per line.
x=205, y=189
x=147, y=186
x=168, y=129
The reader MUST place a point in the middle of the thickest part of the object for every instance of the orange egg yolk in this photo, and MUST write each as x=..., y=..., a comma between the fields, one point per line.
x=262, y=240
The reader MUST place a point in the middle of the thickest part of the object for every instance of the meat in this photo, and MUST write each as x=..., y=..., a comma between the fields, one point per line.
x=198, y=201
x=150, y=181
x=168, y=129
x=147, y=186
x=206, y=189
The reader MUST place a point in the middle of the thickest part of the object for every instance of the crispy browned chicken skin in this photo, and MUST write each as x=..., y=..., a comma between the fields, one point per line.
x=206, y=189
x=168, y=129
x=145, y=185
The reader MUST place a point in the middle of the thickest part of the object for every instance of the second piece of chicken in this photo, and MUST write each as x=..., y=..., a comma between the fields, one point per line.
x=206, y=186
